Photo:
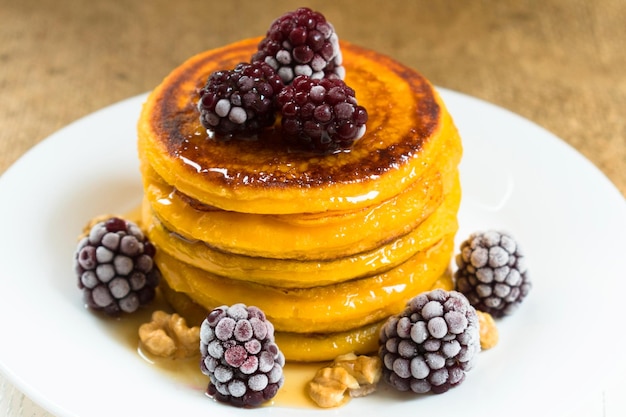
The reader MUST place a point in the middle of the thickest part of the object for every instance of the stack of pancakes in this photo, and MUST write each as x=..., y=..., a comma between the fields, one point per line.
x=328, y=246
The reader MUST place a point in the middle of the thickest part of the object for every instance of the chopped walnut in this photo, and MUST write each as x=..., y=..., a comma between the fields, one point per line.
x=329, y=386
x=366, y=369
x=488, y=331
x=168, y=336
x=103, y=217
x=349, y=374
x=87, y=228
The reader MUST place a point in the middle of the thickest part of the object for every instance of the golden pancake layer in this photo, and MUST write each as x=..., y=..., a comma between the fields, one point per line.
x=306, y=347
x=328, y=246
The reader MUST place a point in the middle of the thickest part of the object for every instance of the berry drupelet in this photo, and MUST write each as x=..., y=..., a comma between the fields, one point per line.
x=492, y=272
x=115, y=267
x=240, y=356
x=321, y=114
x=431, y=344
x=301, y=42
x=240, y=100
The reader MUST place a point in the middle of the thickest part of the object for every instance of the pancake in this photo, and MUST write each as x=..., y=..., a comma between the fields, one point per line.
x=264, y=176
x=347, y=233
x=327, y=245
x=319, y=309
x=304, y=347
x=303, y=273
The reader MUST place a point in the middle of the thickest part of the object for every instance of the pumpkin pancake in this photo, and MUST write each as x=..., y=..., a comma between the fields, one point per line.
x=303, y=347
x=320, y=309
x=266, y=177
x=327, y=245
x=348, y=233
x=302, y=273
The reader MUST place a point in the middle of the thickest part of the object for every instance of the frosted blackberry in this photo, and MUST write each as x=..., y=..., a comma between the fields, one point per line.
x=431, y=344
x=240, y=100
x=492, y=272
x=115, y=267
x=301, y=42
x=240, y=356
x=321, y=114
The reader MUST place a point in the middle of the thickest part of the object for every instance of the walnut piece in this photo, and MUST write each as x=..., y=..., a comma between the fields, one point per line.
x=167, y=336
x=92, y=222
x=349, y=374
x=103, y=217
x=489, y=335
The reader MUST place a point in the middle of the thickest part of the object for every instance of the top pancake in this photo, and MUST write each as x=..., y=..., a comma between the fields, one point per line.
x=407, y=124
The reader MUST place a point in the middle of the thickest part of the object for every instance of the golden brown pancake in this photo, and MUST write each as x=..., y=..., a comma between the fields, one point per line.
x=407, y=123
x=321, y=309
x=304, y=347
x=295, y=236
x=327, y=245
x=304, y=273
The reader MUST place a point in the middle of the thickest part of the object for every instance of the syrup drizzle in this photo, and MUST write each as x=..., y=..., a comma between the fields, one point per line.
x=186, y=372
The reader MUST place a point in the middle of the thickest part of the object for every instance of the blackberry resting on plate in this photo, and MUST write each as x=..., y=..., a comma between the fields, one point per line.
x=492, y=272
x=431, y=344
x=240, y=100
x=321, y=114
x=239, y=356
x=301, y=42
x=115, y=267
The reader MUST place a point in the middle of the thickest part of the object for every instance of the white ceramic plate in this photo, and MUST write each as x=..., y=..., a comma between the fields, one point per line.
x=516, y=176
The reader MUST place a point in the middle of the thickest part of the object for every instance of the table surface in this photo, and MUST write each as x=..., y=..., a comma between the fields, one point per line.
x=559, y=63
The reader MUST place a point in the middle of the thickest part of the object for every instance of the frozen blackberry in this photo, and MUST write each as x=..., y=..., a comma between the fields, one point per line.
x=115, y=268
x=431, y=344
x=492, y=272
x=240, y=100
x=321, y=114
x=301, y=42
x=240, y=356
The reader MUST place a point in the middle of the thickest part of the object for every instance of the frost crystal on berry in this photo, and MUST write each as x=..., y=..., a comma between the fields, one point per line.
x=115, y=267
x=240, y=356
x=301, y=42
x=431, y=344
x=492, y=272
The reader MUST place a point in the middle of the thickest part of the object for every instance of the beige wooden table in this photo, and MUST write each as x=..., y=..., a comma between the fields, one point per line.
x=559, y=63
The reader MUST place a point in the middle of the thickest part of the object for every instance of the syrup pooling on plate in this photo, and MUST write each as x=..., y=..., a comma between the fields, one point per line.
x=186, y=372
